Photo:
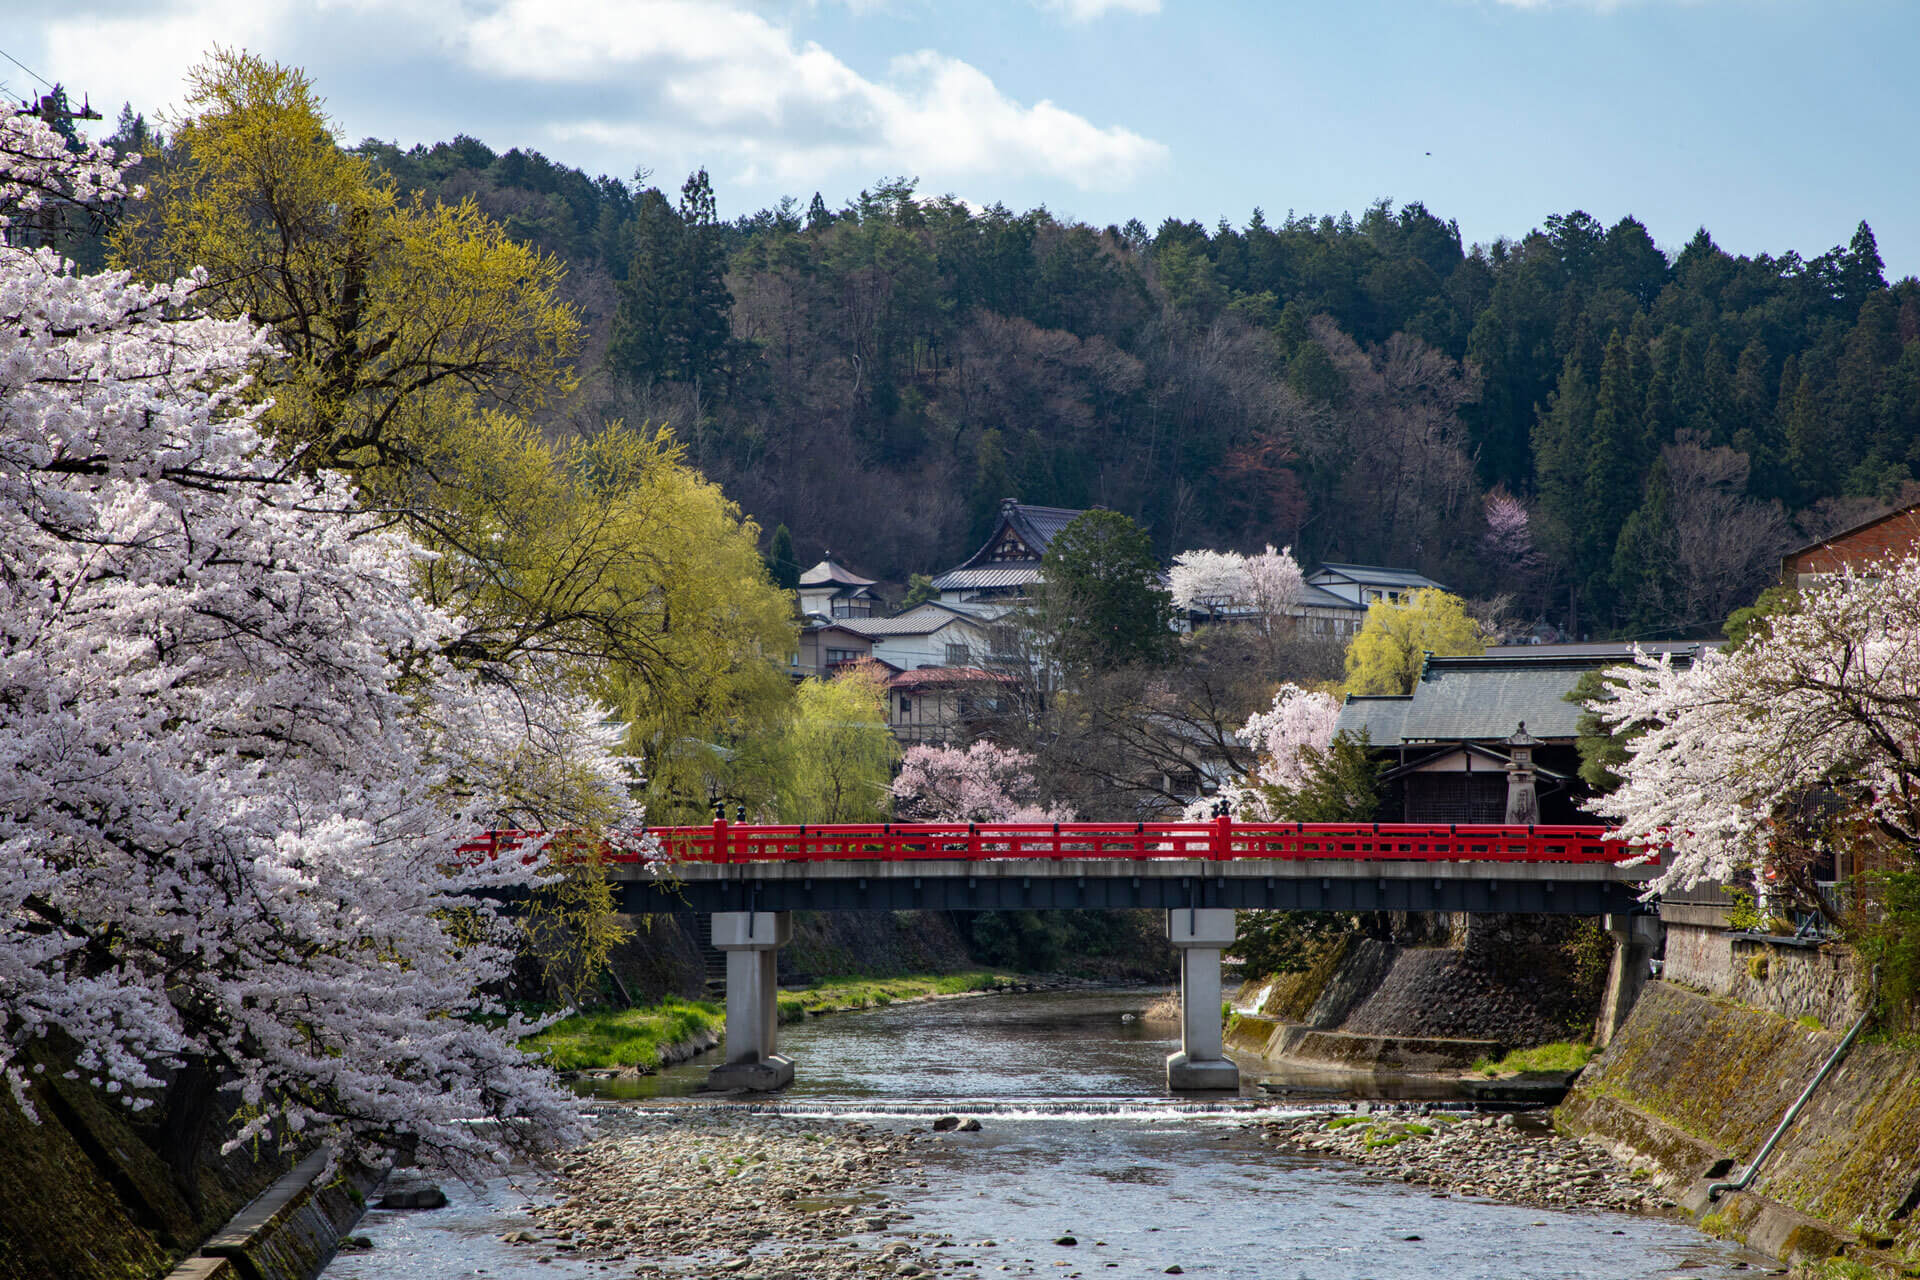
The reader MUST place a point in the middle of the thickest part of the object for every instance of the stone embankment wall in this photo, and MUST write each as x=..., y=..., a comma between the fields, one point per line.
x=84, y=1197
x=1499, y=983
x=1694, y=1083
x=1792, y=981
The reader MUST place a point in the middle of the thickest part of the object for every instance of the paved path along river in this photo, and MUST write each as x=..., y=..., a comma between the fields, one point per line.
x=1077, y=1140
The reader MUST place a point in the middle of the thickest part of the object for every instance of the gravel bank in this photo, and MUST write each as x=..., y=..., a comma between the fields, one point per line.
x=699, y=1193
x=1516, y=1158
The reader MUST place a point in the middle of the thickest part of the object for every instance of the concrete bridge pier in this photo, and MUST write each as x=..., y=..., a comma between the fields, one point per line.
x=750, y=939
x=1200, y=934
x=1634, y=939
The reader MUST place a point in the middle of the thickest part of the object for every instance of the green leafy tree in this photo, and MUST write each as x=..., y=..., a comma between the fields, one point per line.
x=782, y=567
x=1390, y=650
x=397, y=321
x=920, y=589
x=1101, y=598
x=1601, y=750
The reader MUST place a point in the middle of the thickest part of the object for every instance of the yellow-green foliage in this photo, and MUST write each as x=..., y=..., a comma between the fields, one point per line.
x=393, y=317
x=1564, y=1055
x=1387, y=654
x=609, y=1038
x=836, y=753
x=571, y=925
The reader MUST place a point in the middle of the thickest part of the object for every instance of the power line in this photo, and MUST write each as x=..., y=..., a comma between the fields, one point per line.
x=29, y=70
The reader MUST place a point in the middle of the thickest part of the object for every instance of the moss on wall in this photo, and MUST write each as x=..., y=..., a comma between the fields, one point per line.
x=83, y=1197
x=1717, y=1076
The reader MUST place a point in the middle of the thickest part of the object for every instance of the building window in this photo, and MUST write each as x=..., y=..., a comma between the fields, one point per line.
x=906, y=706
x=835, y=656
x=959, y=655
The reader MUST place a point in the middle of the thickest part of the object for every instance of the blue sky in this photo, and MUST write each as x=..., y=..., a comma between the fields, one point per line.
x=1777, y=124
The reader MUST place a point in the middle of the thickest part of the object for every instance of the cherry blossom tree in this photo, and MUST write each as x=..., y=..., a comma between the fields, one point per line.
x=38, y=167
x=1271, y=583
x=1726, y=751
x=1199, y=579
x=1275, y=584
x=237, y=758
x=1289, y=737
x=982, y=783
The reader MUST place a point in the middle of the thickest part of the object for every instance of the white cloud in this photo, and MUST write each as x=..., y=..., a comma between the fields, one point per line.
x=1088, y=10
x=675, y=83
x=142, y=55
x=785, y=109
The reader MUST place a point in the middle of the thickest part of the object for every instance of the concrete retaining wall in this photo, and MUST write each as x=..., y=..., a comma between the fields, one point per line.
x=1693, y=1084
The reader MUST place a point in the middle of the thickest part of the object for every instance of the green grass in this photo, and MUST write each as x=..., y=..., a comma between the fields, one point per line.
x=1566, y=1055
x=607, y=1038
x=1811, y=1023
x=834, y=995
x=1345, y=1122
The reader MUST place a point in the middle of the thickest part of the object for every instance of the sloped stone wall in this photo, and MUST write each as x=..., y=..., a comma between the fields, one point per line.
x=1694, y=1081
x=83, y=1197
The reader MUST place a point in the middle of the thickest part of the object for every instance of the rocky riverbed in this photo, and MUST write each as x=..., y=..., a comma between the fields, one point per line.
x=1517, y=1157
x=700, y=1193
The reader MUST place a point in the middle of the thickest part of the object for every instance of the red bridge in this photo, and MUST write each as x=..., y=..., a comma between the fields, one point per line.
x=750, y=877
x=1220, y=839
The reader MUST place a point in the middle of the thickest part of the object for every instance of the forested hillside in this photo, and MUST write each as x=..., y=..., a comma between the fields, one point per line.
x=877, y=377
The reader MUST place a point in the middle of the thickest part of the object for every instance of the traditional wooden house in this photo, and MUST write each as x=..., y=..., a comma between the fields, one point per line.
x=1363, y=584
x=1892, y=536
x=1008, y=563
x=827, y=648
x=939, y=705
x=1450, y=744
x=833, y=591
x=929, y=635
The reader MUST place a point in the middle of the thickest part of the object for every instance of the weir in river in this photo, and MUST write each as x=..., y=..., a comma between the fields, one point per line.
x=1079, y=1138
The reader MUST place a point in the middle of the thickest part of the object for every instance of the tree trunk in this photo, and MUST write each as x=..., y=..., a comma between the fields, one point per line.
x=183, y=1128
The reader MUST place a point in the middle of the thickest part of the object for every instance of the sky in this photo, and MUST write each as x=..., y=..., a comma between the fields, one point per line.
x=1776, y=124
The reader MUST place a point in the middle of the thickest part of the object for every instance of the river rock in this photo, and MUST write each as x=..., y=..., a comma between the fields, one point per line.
x=410, y=1192
x=946, y=1123
x=969, y=1125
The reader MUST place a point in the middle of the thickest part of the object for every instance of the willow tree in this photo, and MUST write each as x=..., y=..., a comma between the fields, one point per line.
x=396, y=320
x=1391, y=648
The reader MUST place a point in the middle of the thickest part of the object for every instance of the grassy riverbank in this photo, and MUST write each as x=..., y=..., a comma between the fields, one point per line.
x=610, y=1039
x=1565, y=1055
x=837, y=995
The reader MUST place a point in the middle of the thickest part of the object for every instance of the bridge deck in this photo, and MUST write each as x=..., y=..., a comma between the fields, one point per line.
x=982, y=866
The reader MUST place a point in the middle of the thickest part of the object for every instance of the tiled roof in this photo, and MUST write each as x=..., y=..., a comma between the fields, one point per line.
x=1035, y=526
x=1374, y=575
x=916, y=624
x=1480, y=699
x=1016, y=573
x=827, y=572
x=1312, y=597
x=935, y=677
x=1618, y=649
x=1038, y=525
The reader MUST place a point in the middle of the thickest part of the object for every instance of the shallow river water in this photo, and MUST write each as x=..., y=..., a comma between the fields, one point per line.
x=1080, y=1139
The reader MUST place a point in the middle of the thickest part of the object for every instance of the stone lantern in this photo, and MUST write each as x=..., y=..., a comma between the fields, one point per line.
x=1523, y=806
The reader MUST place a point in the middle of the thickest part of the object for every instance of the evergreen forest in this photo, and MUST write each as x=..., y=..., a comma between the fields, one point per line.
x=1618, y=439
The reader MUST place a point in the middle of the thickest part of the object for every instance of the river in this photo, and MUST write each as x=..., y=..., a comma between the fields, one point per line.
x=1080, y=1139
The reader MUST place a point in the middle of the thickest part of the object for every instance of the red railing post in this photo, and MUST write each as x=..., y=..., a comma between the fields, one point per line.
x=1222, y=840
x=720, y=851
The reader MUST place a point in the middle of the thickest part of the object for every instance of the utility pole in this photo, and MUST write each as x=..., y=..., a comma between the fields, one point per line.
x=53, y=109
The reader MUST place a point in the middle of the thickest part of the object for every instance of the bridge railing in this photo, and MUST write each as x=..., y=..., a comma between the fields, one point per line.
x=1221, y=839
